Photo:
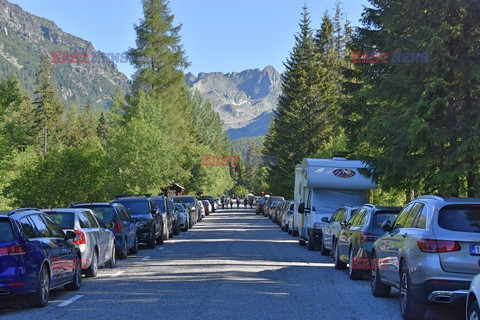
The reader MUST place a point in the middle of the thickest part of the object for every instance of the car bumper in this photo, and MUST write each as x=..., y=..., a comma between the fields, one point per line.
x=441, y=291
x=14, y=281
x=315, y=235
x=143, y=235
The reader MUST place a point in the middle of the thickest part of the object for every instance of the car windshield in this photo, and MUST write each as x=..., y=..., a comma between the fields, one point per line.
x=379, y=217
x=179, y=207
x=65, y=220
x=136, y=207
x=184, y=200
x=6, y=232
x=464, y=218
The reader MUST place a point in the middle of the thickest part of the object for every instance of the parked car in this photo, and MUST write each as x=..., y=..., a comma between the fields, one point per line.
x=95, y=241
x=192, y=202
x=168, y=217
x=36, y=256
x=201, y=210
x=287, y=213
x=269, y=203
x=331, y=230
x=429, y=253
x=147, y=216
x=472, y=310
x=211, y=200
x=118, y=220
x=354, y=242
x=208, y=207
x=273, y=211
x=183, y=215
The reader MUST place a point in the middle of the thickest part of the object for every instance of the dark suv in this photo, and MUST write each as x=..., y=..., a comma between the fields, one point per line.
x=35, y=257
x=148, y=218
x=168, y=216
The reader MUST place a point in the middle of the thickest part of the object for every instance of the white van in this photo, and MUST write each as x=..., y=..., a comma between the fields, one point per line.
x=321, y=187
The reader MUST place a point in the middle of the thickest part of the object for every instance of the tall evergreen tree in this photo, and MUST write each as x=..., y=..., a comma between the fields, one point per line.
x=102, y=129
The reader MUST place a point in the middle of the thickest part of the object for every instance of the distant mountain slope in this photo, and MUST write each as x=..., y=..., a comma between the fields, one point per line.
x=243, y=100
x=25, y=38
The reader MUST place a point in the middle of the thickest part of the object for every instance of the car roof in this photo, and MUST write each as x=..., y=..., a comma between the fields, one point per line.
x=82, y=205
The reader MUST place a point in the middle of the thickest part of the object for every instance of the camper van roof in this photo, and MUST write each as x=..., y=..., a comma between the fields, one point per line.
x=335, y=162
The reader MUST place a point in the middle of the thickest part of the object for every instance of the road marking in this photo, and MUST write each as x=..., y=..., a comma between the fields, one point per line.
x=116, y=274
x=69, y=301
x=161, y=248
x=145, y=258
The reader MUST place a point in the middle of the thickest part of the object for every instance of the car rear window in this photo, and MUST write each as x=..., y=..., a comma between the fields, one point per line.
x=464, y=218
x=136, y=207
x=382, y=216
x=6, y=232
x=184, y=200
x=161, y=205
x=65, y=220
x=103, y=212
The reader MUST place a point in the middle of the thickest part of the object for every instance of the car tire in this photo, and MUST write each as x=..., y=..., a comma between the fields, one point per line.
x=134, y=249
x=289, y=231
x=338, y=264
x=162, y=238
x=323, y=251
x=77, y=279
x=354, y=274
x=92, y=271
x=123, y=254
x=378, y=288
x=151, y=241
x=311, y=244
x=473, y=311
x=176, y=230
x=40, y=298
x=410, y=307
x=302, y=242
x=113, y=261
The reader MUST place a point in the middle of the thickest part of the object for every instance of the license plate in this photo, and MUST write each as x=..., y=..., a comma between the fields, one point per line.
x=475, y=250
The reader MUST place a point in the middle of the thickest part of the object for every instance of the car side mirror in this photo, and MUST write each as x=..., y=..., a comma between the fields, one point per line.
x=301, y=208
x=324, y=219
x=387, y=226
x=110, y=224
x=70, y=235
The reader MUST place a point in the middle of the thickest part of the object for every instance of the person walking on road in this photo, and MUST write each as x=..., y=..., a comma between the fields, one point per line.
x=231, y=203
x=251, y=202
x=223, y=202
x=238, y=202
x=245, y=201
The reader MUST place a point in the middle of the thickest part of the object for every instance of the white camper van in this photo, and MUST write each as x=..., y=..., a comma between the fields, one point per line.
x=321, y=187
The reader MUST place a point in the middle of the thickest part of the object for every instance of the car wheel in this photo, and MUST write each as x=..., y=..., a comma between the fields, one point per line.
x=92, y=271
x=151, y=241
x=323, y=251
x=473, y=312
x=354, y=274
x=134, y=249
x=176, y=230
x=77, y=279
x=113, y=262
x=311, y=244
x=340, y=265
x=302, y=242
x=162, y=237
x=289, y=231
x=123, y=254
x=410, y=308
x=378, y=288
x=40, y=298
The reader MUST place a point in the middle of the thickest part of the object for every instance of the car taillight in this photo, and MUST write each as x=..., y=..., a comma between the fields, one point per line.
x=117, y=227
x=438, y=246
x=14, y=250
x=368, y=237
x=80, y=238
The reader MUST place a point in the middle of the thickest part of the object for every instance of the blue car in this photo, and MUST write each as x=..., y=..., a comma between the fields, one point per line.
x=118, y=220
x=35, y=257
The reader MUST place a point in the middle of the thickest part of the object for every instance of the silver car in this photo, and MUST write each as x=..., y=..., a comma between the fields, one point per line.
x=430, y=253
x=331, y=230
x=95, y=241
x=472, y=309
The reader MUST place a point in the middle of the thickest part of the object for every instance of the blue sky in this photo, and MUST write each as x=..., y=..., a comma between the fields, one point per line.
x=217, y=35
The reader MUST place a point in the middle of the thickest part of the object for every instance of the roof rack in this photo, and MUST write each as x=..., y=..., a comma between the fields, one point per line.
x=21, y=210
x=146, y=195
x=431, y=196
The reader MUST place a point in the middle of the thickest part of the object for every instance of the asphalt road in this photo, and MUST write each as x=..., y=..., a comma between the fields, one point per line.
x=232, y=265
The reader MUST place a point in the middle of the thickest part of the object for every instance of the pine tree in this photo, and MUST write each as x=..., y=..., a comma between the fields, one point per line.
x=48, y=109
x=102, y=130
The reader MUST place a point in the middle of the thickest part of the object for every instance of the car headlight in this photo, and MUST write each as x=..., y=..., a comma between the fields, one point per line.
x=143, y=224
x=317, y=225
